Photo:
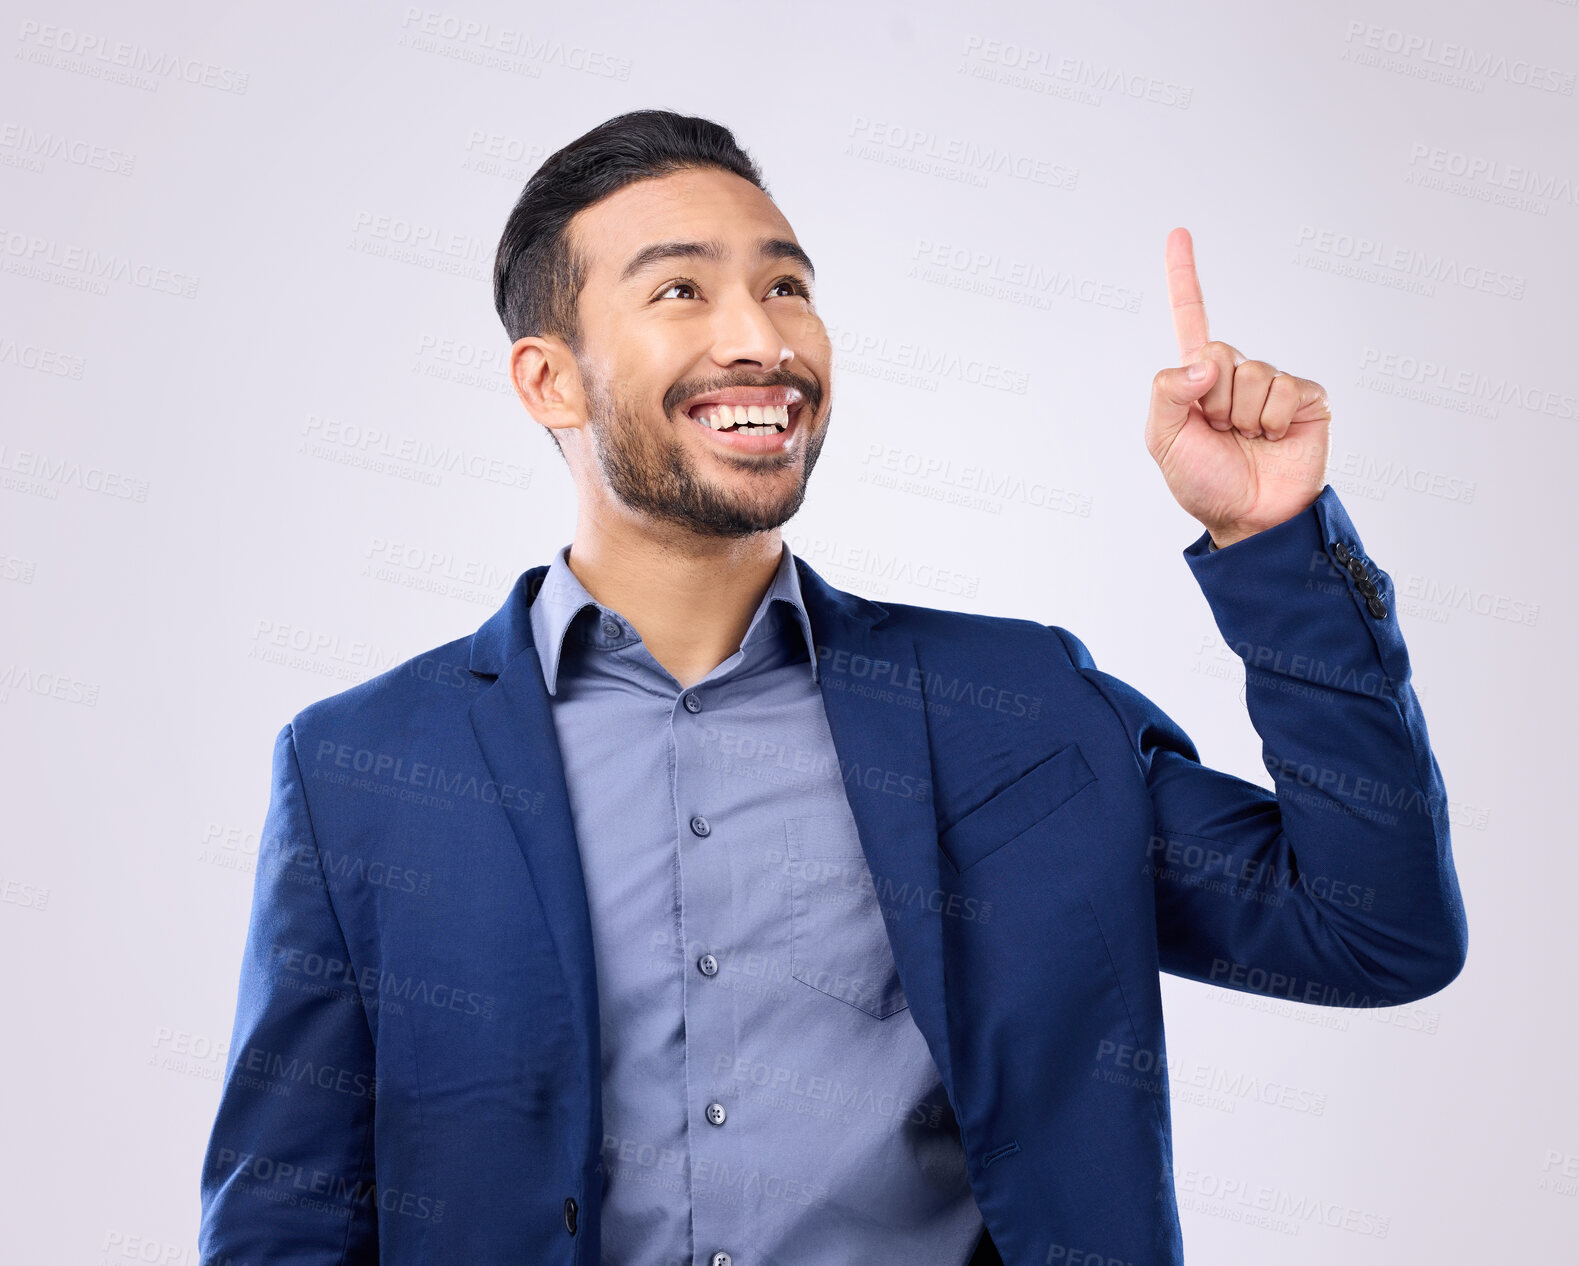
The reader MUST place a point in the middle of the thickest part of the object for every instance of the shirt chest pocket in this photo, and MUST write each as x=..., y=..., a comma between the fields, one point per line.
x=838, y=941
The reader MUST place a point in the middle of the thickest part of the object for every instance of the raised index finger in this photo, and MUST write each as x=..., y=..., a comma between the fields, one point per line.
x=1184, y=295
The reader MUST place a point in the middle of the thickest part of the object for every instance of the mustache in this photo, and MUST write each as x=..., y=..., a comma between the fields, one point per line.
x=809, y=389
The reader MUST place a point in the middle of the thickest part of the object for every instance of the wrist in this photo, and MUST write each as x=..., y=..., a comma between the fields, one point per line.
x=1223, y=539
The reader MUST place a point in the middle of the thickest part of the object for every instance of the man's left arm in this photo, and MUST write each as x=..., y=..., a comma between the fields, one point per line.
x=1339, y=889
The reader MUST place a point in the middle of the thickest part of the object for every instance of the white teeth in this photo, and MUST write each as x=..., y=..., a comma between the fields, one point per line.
x=753, y=419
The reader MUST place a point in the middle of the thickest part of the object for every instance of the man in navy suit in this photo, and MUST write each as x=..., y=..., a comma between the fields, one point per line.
x=694, y=910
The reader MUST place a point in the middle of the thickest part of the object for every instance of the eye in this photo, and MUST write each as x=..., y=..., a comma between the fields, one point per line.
x=679, y=283
x=795, y=284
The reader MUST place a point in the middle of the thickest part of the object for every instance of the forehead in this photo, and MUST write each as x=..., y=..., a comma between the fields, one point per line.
x=693, y=205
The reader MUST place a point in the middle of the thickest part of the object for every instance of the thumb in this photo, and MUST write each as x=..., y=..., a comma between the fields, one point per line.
x=1173, y=391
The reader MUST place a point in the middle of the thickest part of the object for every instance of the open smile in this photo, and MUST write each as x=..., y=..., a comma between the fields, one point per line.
x=749, y=419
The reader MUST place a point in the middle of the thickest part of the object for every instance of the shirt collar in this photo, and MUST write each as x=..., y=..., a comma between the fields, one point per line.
x=562, y=597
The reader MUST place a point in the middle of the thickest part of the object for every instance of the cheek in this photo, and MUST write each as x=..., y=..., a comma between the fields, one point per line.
x=810, y=336
x=813, y=348
x=639, y=393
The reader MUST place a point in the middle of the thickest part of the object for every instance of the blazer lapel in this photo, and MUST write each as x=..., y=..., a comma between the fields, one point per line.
x=869, y=677
x=520, y=746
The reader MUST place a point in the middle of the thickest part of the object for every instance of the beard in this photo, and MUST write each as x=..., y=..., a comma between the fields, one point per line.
x=650, y=471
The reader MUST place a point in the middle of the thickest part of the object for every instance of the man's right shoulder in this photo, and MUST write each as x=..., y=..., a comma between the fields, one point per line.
x=426, y=693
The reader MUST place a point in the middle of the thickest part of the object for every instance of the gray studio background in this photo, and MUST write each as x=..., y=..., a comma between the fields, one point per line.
x=258, y=446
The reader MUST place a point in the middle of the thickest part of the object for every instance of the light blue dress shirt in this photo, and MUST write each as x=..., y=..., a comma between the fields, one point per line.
x=767, y=1098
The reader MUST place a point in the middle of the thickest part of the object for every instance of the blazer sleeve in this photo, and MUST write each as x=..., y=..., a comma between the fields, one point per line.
x=1339, y=889
x=288, y=1174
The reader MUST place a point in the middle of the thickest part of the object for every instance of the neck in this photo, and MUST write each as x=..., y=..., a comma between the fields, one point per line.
x=690, y=597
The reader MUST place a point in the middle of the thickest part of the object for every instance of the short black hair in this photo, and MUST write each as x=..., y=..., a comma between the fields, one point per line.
x=537, y=274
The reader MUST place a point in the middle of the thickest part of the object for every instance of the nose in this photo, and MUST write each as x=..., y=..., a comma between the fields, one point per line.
x=744, y=333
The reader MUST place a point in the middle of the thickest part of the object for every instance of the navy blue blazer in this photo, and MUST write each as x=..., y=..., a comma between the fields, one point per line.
x=414, y=1070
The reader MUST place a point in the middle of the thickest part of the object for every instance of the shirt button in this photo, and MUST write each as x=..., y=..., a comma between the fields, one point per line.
x=693, y=702
x=716, y=1113
x=707, y=965
x=699, y=825
x=720, y=1258
x=610, y=629
x=1377, y=607
x=1340, y=551
x=570, y=1214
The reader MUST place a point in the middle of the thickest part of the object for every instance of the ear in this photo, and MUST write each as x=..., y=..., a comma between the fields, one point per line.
x=548, y=381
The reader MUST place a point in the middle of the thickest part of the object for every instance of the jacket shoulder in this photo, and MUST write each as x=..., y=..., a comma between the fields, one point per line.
x=1013, y=638
x=418, y=691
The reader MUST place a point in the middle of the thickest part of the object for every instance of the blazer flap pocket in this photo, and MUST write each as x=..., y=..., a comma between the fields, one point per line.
x=1015, y=809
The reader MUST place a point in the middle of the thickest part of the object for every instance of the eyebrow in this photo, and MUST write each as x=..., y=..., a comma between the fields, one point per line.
x=714, y=251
